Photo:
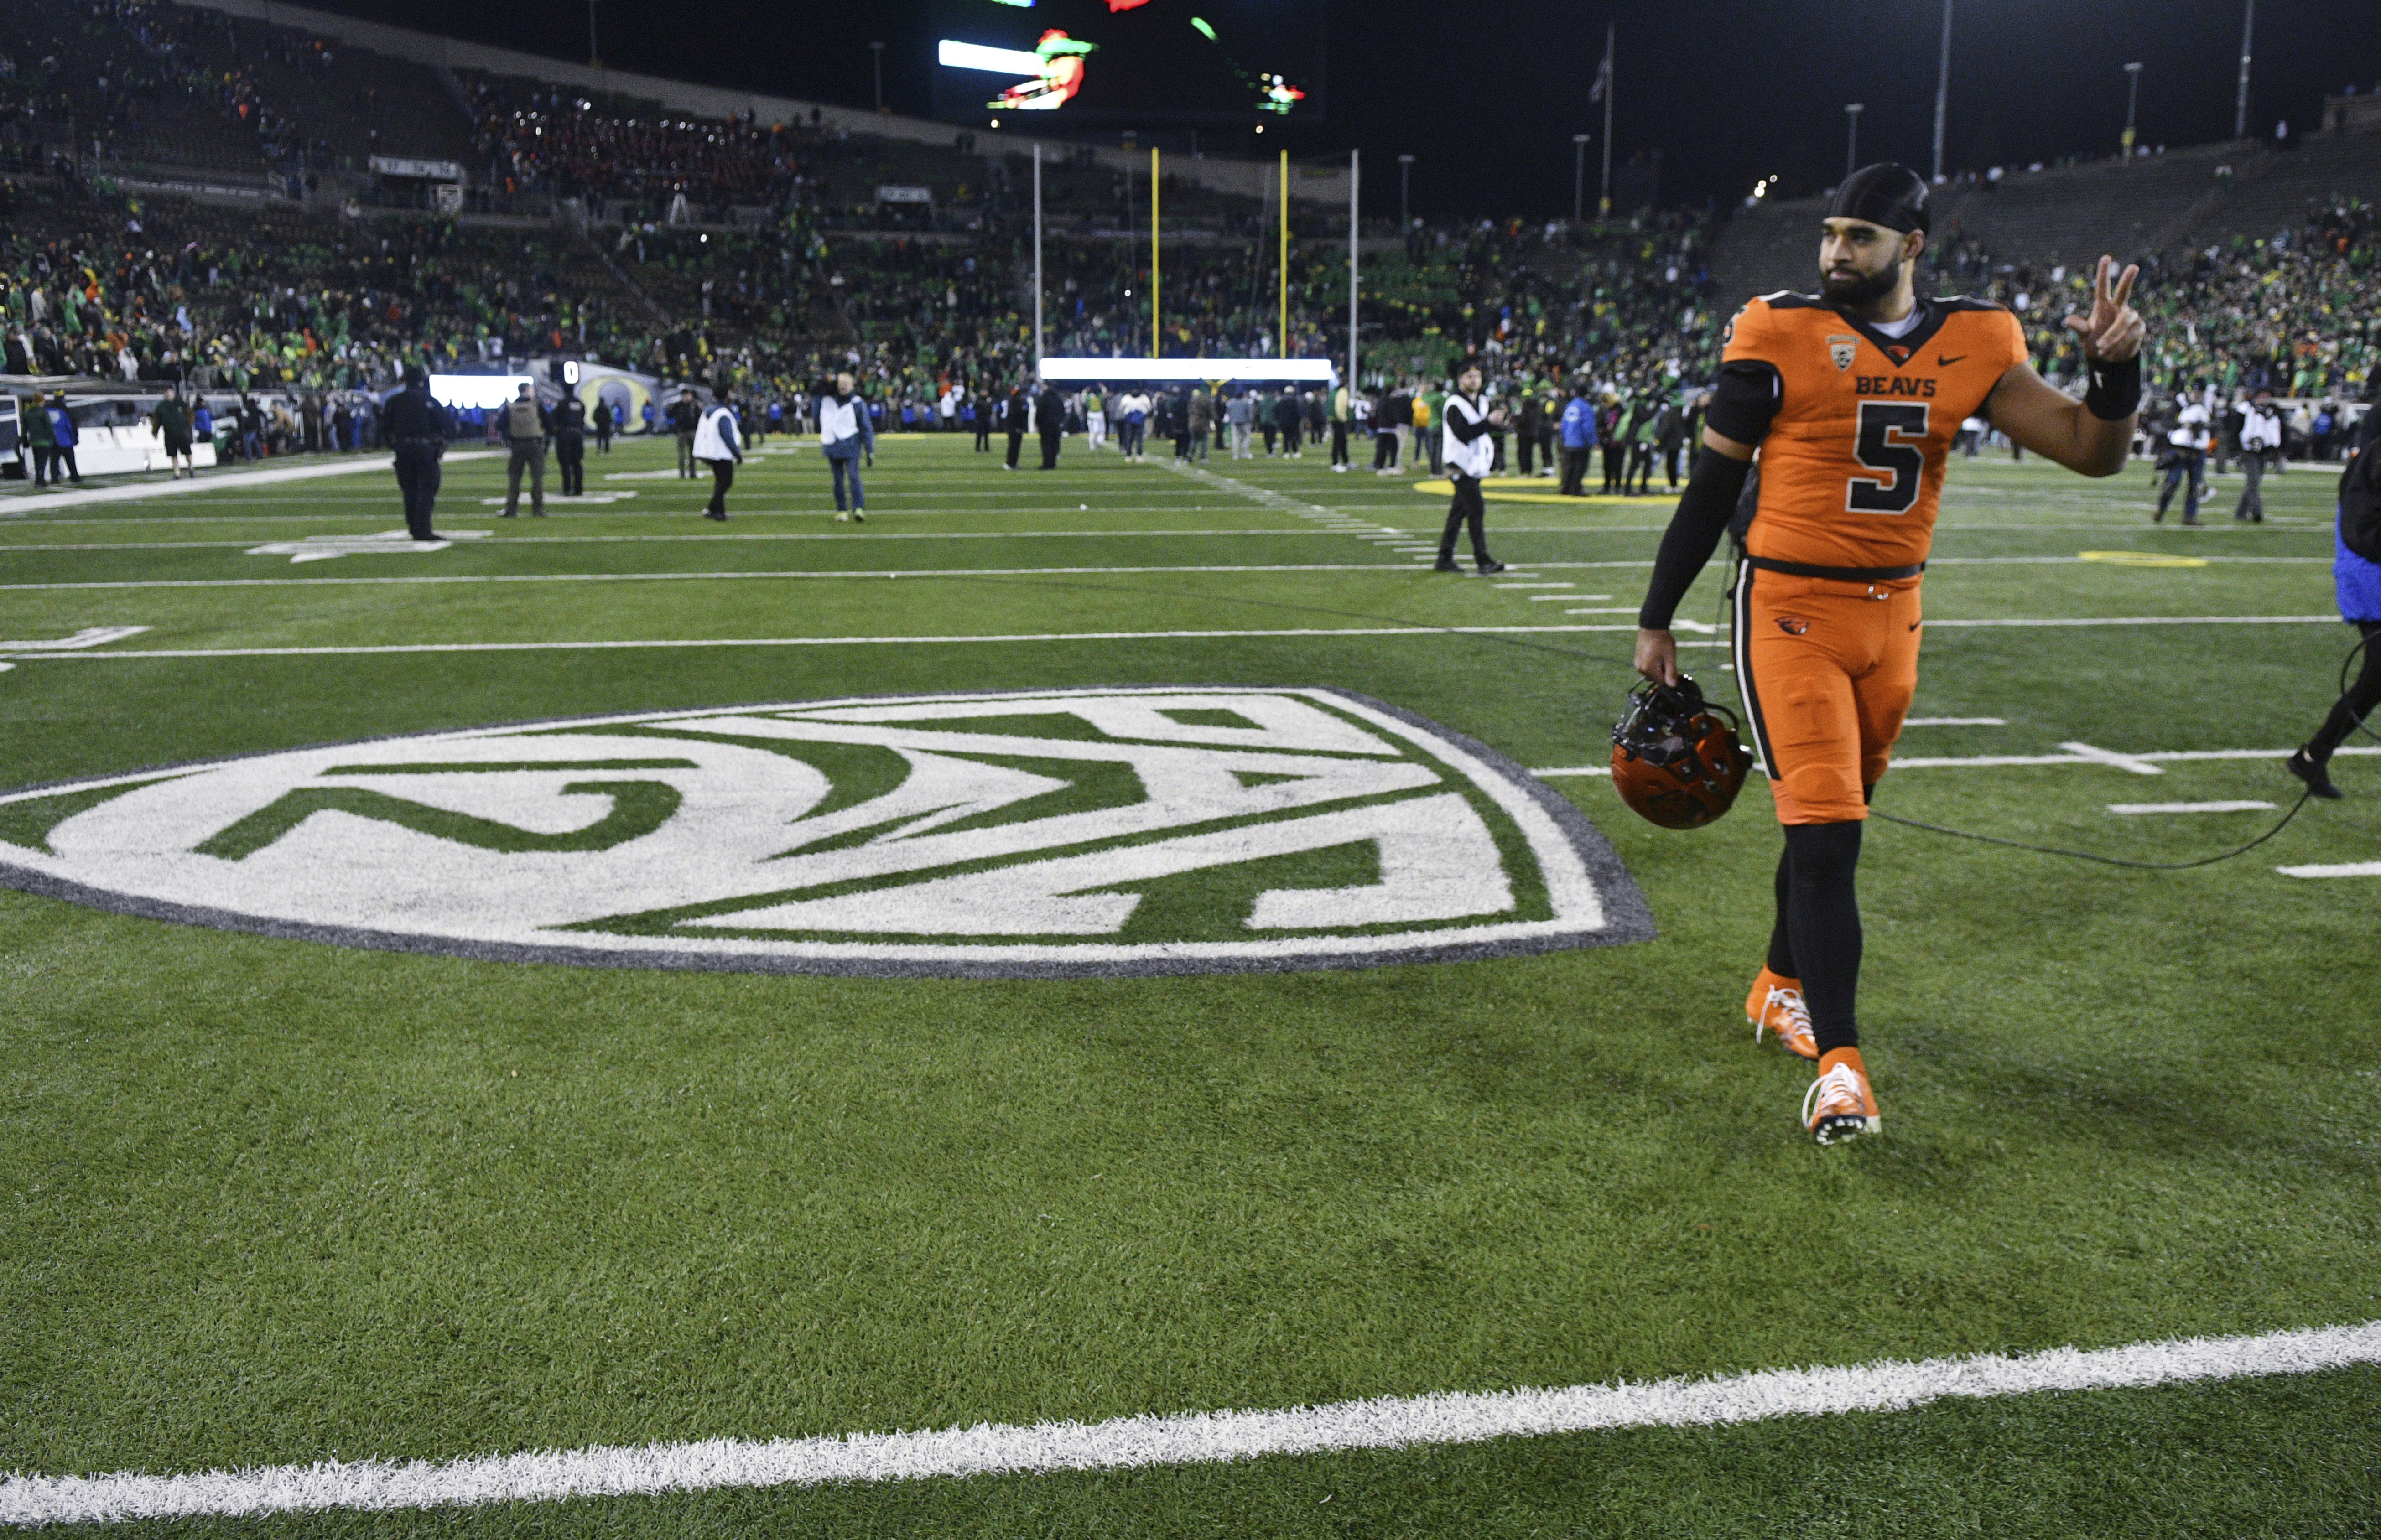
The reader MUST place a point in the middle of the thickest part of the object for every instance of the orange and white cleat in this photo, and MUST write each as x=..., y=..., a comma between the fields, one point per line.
x=1839, y=1104
x=1775, y=1006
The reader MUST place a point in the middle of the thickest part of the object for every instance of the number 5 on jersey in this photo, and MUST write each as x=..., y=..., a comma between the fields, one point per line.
x=1892, y=435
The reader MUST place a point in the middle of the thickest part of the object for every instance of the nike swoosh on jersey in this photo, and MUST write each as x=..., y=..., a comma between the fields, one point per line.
x=1942, y=362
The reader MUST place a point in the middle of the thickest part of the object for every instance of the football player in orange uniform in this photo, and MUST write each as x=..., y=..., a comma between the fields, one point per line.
x=1853, y=397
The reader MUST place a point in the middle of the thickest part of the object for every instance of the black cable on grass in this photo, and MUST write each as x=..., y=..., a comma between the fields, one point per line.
x=1574, y=652
x=2279, y=824
x=2103, y=860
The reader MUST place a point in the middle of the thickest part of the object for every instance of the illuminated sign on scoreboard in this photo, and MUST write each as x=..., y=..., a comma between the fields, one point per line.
x=1129, y=62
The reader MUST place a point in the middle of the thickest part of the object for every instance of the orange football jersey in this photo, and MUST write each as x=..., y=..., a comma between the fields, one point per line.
x=1852, y=468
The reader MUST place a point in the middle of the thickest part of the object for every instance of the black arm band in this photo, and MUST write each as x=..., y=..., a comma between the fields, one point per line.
x=1704, y=512
x=2114, y=393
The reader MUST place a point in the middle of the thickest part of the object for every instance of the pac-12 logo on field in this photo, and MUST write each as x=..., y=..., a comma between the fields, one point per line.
x=1098, y=831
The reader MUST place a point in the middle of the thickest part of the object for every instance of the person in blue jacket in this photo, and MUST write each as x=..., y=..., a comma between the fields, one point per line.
x=62, y=436
x=2356, y=576
x=1577, y=430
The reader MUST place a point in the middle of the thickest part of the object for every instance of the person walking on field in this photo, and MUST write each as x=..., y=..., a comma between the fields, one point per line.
x=1290, y=417
x=845, y=435
x=418, y=427
x=719, y=447
x=1203, y=422
x=1236, y=415
x=684, y=414
x=1578, y=430
x=1095, y=419
x=1050, y=422
x=1853, y=397
x=1014, y=411
x=41, y=443
x=2188, y=470
x=1469, y=452
x=570, y=443
x=604, y=423
x=525, y=423
x=2356, y=578
x=2261, y=432
x=1342, y=399
x=171, y=422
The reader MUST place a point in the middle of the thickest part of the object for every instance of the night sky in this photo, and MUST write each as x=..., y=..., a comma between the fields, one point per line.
x=1730, y=91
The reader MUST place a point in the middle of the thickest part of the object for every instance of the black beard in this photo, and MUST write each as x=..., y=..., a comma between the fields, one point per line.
x=1856, y=293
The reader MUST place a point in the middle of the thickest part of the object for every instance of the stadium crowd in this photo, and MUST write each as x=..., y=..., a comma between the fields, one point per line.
x=744, y=257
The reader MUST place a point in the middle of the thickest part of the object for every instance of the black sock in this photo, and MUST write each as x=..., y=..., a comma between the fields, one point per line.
x=2351, y=708
x=1781, y=941
x=1824, y=927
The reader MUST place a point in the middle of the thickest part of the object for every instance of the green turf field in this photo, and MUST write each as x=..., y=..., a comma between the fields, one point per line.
x=272, y=1200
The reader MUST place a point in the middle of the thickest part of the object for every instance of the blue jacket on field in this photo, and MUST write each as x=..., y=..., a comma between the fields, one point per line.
x=2357, y=580
x=1579, y=424
x=62, y=426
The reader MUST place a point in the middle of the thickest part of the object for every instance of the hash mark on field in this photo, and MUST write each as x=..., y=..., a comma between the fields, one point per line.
x=1183, y=1439
x=1954, y=721
x=2237, y=806
x=2352, y=868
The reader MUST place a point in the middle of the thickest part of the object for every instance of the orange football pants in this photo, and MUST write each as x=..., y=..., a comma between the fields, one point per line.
x=1827, y=669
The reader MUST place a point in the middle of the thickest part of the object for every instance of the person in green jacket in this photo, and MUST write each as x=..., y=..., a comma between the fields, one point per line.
x=41, y=442
x=171, y=421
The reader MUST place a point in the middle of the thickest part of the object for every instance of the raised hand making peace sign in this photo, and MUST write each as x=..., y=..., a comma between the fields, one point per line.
x=2113, y=331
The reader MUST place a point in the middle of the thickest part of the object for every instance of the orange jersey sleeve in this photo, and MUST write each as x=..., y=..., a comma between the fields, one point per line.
x=1852, y=468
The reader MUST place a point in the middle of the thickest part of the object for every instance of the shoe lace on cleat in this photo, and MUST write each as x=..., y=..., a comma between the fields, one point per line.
x=1834, y=1099
x=1784, y=1013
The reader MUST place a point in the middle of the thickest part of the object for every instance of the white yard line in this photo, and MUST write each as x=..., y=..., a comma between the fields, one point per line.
x=880, y=574
x=2139, y=763
x=2234, y=806
x=1183, y=1439
x=1954, y=721
x=1417, y=630
x=140, y=492
x=2352, y=868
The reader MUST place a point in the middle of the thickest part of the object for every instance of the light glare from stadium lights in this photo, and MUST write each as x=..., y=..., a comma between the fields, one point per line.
x=476, y=390
x=1315, y=370
x=975, y=55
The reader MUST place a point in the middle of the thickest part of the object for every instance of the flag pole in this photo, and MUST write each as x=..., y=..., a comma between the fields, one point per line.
x=1604, y=199
x=1285, y=253
x=1039, y=351
x=1157, y=347
x=1353, y=170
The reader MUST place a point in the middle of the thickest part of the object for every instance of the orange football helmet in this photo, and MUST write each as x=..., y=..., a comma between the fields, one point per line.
x=1674, y=760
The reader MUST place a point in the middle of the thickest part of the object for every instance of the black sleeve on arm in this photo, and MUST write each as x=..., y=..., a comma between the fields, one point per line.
x=1466, y=429
x=1704, y=512
x=1745, y=399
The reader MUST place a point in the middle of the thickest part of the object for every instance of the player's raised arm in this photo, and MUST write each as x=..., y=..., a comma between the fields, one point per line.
x=2094, y=435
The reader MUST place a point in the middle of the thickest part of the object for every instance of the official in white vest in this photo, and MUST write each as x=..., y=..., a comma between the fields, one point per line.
x=718, y=445
x=2261, y=434
x=1468, y=450
x=845, y=434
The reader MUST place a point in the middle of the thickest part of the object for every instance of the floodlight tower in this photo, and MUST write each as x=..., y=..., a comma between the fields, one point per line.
x=1405, y=166
x=2132, y=96
x=1942, y=87
x=876, y=54
x=1851, y=137
x=2240, y=101
x=1579, y=177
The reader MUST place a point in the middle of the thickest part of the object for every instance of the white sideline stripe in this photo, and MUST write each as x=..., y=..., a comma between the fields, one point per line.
x=380, y=547
x=2352, y=869
x=2238, y=806
x=137, y=491
x=2153, y=620
x=1989, y=761
x=2134, y=762
x=1184, y=1438
x=1414, y=630
x=511, y=539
